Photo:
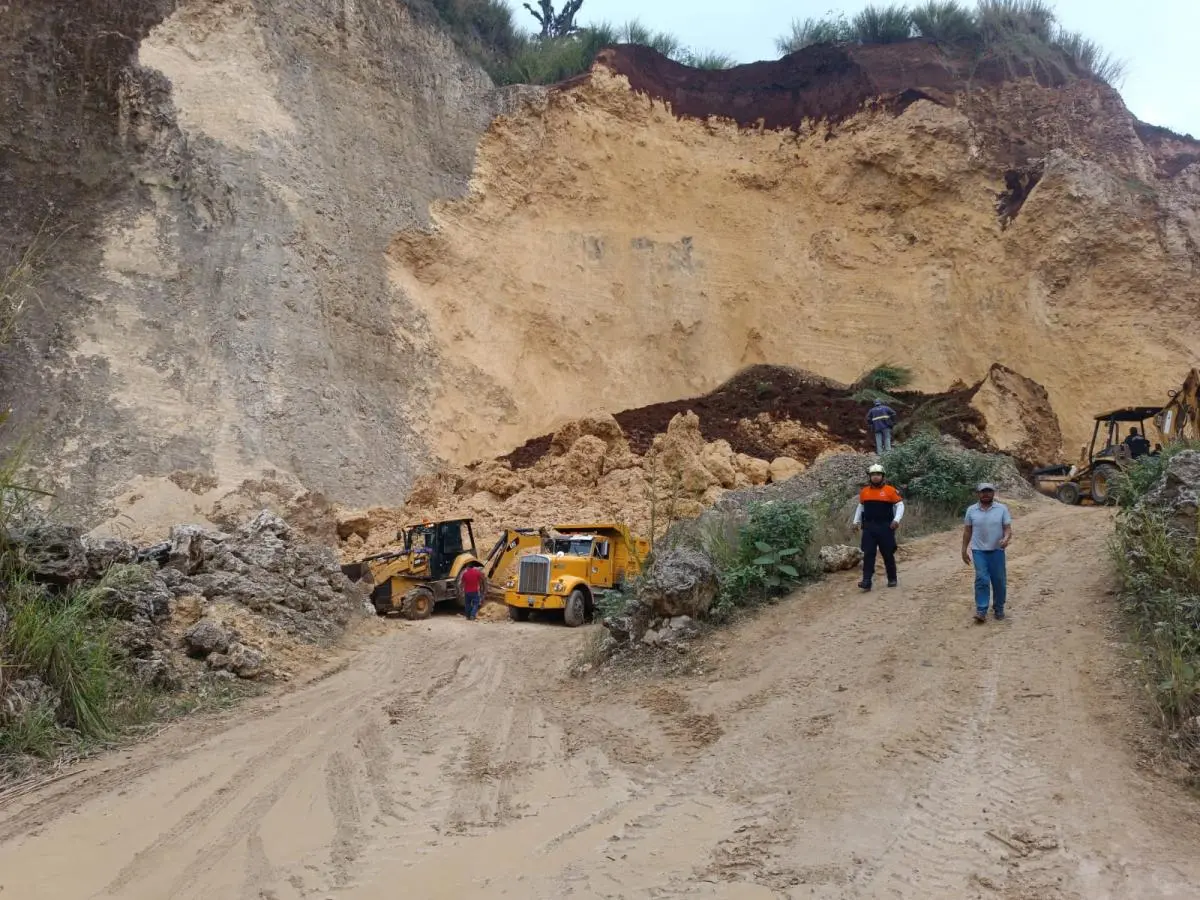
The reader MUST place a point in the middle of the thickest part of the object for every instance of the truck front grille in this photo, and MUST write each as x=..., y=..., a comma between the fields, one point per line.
x=534, y=577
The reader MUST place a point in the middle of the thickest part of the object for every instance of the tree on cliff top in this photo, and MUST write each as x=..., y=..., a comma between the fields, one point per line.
x=555, y=24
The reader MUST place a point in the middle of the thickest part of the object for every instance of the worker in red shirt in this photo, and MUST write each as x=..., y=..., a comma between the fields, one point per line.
x=880, y=509
x=471, y=583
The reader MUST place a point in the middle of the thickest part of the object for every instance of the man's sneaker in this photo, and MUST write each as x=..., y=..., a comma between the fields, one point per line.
x=893, y=583
x=865, y=585
x=980, y=618
x=999, y=616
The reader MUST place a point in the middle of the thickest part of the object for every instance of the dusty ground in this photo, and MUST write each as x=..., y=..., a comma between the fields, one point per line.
x=837, y=746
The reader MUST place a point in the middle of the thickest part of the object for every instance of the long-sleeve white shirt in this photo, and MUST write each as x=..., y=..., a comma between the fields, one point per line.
x=897, y=513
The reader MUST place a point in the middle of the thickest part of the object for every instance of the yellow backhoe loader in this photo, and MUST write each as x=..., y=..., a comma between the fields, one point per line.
x=426, y=569
x=1108, y=454
x=1179, y=420
x=1099, y=462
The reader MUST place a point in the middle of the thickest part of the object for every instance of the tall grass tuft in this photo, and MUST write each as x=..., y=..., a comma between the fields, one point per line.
x=1000, y=21
x=1090, y=57
x=62, y=641
x=945, y=21
x=884, y=377
x=882, y=24
x=808, y=32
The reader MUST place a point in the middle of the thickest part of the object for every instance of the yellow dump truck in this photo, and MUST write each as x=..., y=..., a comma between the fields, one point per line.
x=575, y=564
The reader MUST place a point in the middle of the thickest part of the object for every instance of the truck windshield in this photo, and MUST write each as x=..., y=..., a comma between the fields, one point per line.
x=573, y=547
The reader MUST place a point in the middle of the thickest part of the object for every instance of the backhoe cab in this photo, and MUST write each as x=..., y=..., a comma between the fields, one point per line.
x=1101, y=461
x=573, y=567
x=423, y=571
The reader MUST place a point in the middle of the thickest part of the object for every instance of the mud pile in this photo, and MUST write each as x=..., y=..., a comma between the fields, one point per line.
x=771, y=411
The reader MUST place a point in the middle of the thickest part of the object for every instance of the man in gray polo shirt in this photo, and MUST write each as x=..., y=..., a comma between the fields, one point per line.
x=986, y=534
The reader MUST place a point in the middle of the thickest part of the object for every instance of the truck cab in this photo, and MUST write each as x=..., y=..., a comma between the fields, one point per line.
x=575, y=563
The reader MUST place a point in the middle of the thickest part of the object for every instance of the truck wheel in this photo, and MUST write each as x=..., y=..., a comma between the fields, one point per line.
x=417, y=604
x=1068, y=493
x=517, y=614
x=576, y=609
x=1103, y=478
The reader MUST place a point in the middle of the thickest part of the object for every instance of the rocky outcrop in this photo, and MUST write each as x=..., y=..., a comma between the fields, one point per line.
x=1176, y=496
x=1018, y=417
x=679, y=582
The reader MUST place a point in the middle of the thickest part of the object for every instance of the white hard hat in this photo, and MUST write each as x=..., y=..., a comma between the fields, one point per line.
x=876, y=469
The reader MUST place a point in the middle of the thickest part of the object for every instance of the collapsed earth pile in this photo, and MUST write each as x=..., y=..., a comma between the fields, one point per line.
x=202, y=605
x=647, y=467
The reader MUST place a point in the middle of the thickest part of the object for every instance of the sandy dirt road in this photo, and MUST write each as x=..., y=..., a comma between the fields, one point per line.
x=837, y=746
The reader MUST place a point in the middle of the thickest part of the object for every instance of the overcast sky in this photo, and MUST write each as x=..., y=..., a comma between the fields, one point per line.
x=1155, y=37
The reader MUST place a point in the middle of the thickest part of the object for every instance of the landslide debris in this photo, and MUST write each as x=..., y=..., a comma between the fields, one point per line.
x=769, y=412
x=768, y=426
x=252, y=603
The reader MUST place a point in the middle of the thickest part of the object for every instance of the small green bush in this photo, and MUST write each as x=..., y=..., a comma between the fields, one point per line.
x=926, y=470
x=884, y=377
x=772, y=555
x=709, y=60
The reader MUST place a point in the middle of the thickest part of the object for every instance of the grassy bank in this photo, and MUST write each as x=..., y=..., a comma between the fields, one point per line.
x=1157, y=556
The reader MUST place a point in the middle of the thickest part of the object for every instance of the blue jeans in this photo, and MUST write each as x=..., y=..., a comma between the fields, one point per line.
x=471, y=601
x=990, y=579
x=883, y=441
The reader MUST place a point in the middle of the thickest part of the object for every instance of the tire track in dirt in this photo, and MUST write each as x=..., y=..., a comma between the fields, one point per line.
x=347, y=818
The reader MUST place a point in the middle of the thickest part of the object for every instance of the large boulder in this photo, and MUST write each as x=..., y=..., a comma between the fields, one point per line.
x=104, y=553
x=130, y=593
x=245, y=662
x=602, y=426
x=839, y=558
x=53, y=554
x=784, y=467
x=191, y=547
x=1177, y=493
x=755, y=471
x=494, y=477
x=205, y=637
x=679, y=582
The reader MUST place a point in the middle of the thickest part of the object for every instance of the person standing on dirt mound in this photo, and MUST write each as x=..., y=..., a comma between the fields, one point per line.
x=880, y=509
x=987, y=530
x=882, y=419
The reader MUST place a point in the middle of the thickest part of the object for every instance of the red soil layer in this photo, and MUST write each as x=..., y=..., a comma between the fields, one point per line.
x=784, y=395
x=828, y=82
x=1173, y=152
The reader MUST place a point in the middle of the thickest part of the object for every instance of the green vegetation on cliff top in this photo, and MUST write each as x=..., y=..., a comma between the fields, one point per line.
x=1023, y=34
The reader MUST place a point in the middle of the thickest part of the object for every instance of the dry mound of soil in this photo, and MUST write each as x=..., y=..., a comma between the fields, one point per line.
x=770, y=411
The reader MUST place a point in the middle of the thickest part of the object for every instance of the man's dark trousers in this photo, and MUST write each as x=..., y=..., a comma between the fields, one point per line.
x=881, y=538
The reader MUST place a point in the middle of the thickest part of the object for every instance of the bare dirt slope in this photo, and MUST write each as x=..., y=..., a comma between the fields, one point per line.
x=837, y=746
x=616, y=250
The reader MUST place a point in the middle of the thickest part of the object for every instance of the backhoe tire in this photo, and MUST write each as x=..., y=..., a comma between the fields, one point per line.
x=1068, y=492
x=1102, y=484
x=575, y=611
x=517, y=614
x=417, y=604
